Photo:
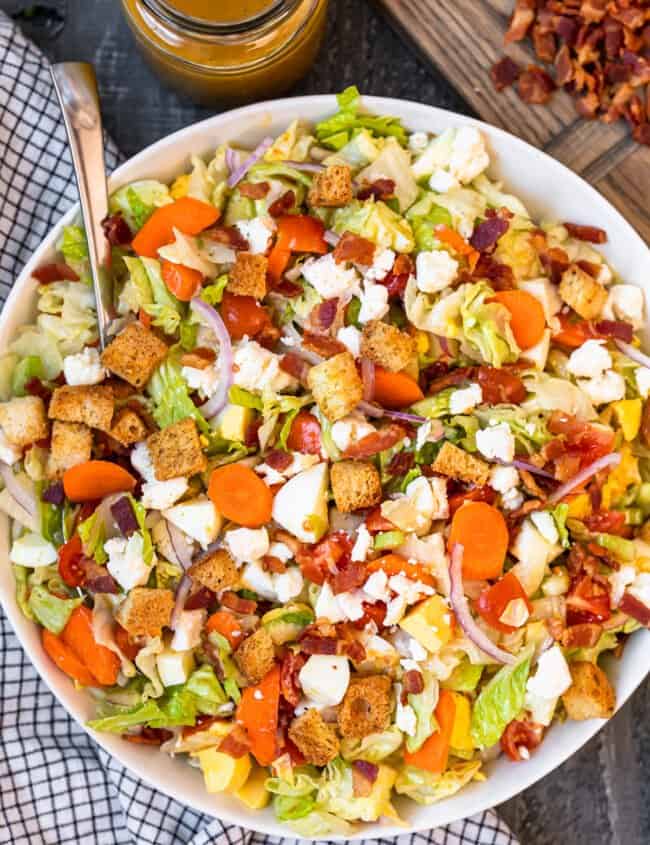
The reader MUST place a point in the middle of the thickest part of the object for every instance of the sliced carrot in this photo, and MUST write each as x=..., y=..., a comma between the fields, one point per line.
x=226, y=624
x=257, y=712
x=277, y=263
x=527, y=318
x=187, y=214
x=433, y=754
x=482, y=531
x=393, y=564
x=240, y=495
x=182, y=281
x=78, y=636
x=96, y=479
x=395, y=390
x=66, y=659
x=456, y=242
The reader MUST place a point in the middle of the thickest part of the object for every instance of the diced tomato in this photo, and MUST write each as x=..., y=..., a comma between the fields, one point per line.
x=521, y=734
x=493, y=601
x=124, y=642
x=318, y=562
x=243, y=315
x=588, y=442
x=609, y=522
x=301, y=233
x=477, y=494
x=71, y=567
x=588, y=601
x=57, y=271
x=304, y=435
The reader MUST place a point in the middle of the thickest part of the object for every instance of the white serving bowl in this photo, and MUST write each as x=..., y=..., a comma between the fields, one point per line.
x=550, y=191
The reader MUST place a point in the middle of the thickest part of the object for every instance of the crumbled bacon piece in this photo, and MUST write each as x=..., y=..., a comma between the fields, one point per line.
x=354, y=248
x=56, y=271
x=318, y=645
x=412, y=682
x=499, y=385
x=641, y=134
x=322, y=344
x=400, y=463
x=456, y=376
x=521, y=20
x=236, y=744
x=592, y=234
x=535, y=86
x=116, y=230
x=322, y=315
x=200, y=599
x=584, y=635
x=289, y=670
x=544, y=43
x=486, y=234
x=234, y=602
x=380, y=189
x=254, y=190
x=636, y=609
x=505, y=72
x=364, y=774
x=149, y=736
x=615, y=328
x=282, y=204
x=273, y=564
x=294, y=366
x=350, y=574
x=228, y=236
x=376, y=442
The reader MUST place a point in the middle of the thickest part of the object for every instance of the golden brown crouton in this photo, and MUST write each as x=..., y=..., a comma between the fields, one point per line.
x=590, y=696
x=456, y=463
x=120, y=390
x=145, y=611
x=582, y=292
x=134, y=354
x=332, y=187
x=91, y=405
x=128, y=427
x=215, y=570
x=355, y=484
x=367, y=706
x=24, y=420
x=387, y=346
x=336, y=386
x=176, y=451
x=71, y=444
x=256, y=655
x=314, y=738
x=248, y=276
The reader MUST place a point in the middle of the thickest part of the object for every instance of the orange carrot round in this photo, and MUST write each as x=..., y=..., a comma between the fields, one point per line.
x=433, y=754
x=182, y=281
x=527, y=319
x=257, y=712
x=66, y=659
x=481, y=530
x=393, y=564
x=78, y=636
x=226, y=624
x=395, y=390
x=240, y=495
x=187, y=214
x=96, y=479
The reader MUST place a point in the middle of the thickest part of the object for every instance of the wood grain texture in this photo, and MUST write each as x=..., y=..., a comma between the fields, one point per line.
x=464, y=38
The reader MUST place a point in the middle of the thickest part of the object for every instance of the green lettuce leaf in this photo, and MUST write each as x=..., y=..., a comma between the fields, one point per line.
x=74, y=248
x=166, y=311
x=486, y=327
x=423, y=703
x=141, y=514
x=424, y=216
x=138, y=200
x=499, y=702
x=50, y=610
x=170, y=398
x=121, y=720
x=336, y=131
x=336, y=793
x=93, y=536
x=205, y=686
x=21, y=575
x=213, y=294
x=529, y=428
x=427, y=788
x=464, y=678
x=376, y=222
x=374, y=747
x=25, y=370
x=434, y=407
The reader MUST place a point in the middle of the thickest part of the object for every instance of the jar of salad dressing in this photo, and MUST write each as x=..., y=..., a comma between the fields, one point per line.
x=228, y=50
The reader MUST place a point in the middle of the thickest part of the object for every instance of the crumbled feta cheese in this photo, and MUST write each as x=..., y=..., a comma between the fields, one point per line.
x=552, y=677
x=435, y=270
x=187, y=633
x=440, y=501
x=545, y=524
x=642, y=377
x=288, y=584
x=422, y=435
x=258, y=370
x=469, y=156
x=411, y=591
x=381, y=266
x=503, y=479
x=374, y=302
x=405, y=718
x=640, y=589
x=351, y=604
x=465, y=399
x=608, y=387
x=84, y=367
x=270, y=475
x=205, y=380
x=281, y=551
x=395, y=610
x=442, y=181
x=325, y=678
x=625, y=302
x=496, y=442
x=605, y=275
x=620, y=580
x=198, y=518
x=257, y=579
x=160, y=495
x=362, y=544
x=418, y=141
x=327, y=606
x=349, y=430
x=247, y=544
x=141, y=461
x=329, y=278
x=257, y=232
x=512, y=500
x=126, y=562
x=350, y=337
x=589, y=360
x=10, y=454
x=376, y=586
x=515, y=613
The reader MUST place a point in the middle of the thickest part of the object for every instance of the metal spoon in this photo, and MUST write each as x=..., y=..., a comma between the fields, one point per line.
x=75, y=84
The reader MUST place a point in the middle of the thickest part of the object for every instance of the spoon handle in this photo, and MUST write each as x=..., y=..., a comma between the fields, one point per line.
x=76, y=88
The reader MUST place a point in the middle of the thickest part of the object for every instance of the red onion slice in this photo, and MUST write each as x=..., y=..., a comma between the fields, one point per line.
x=25, y=498
x=239, y=172
x=232, y=159
x=182, y=592
x=633, y=353
x=370, y=410
x=331, y=237
x=307, y=166
x=611, y=460
x=463, y=614
x=368, y=379
x=182, y=548
x=225, y=361
x=531, y=468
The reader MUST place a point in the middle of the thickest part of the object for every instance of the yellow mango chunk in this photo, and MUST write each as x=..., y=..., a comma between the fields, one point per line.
x=253, y=793
x=431, y=623
x=460, y=733
x=223, y=772
x=622, y=477
x=180, y=186
x=579, y=506
x=628, y=414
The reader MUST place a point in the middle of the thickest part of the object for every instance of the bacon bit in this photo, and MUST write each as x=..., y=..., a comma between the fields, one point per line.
x=322, y=315
x=641, y=134
x=499, y=275
x=228, y=236
x=376, y=442
x=585, y=635
x=364, y=774
x=521, y=21
x=200, y=358
x=555, y=261
x=535, y=86
x=322, y=345
x=413, y=682
x=56, y=271
x=592, y=234
x=201, y=599
x=521, y=734
x=96, y=578
x=289, y=670
x=234, y=602
x=252, y=440
x=283, y=204
x=354, y=248
x=504, y=73
x=294, y=366
x=476, y=494
x=544, y=43
x=608, y=522
x=116, y=230
x=236, y=744
x=149, y=736
x=498, y=386
x=278, y=459
x=349, y=575
x=486, y=234
x=400, y=463
x=636, y=609
x=273, y=564
x=615, y=328
x=375, y=522
x=380, y=189
x=450, y=379
x=354, y=650
x=318, y=645
x=644, y=431
x=254, y=190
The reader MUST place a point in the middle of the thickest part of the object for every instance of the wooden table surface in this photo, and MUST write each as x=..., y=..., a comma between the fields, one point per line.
x=602, y=795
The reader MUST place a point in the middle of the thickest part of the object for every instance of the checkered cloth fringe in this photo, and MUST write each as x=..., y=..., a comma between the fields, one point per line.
x=56, y=784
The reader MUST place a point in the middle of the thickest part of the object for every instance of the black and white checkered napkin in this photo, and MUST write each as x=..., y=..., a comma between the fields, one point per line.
x=56, y=784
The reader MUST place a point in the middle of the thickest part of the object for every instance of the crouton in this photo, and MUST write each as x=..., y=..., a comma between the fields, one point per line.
x=145, y=612
x=248, y=276
x=92, y=405
x=582, y=292
x=134, y=354
x=128, y=427
x=176, y=451
x=456, y=463
x=314, y=738
x=355, y=484
x=367, y=706
x=215, y=570
x=72, y=444
x=332, y=187
x=120, y=390
x=336, y=386
x=590, y=696
x=24, y=420
x=387, y=346
x=256, y=655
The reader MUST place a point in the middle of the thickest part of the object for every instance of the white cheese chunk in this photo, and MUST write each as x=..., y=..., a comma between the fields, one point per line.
x=329, y=278
x=465, y=399
x=496, y=442
x=32, y=550
x=325, y=678
x=126, y=562
x=435, y=270
x=83, y=367
x=187, y=633
x=198, y=518
x=589, y=360
x=247, y=544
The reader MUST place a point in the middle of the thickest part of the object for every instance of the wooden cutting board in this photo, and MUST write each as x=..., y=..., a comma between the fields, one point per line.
x=464, y=38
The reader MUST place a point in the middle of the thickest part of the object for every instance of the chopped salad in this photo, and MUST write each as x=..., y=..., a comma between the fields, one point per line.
x=356, y=497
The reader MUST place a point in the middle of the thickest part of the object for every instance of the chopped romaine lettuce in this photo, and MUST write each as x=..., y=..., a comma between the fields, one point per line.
x=499, y=702
x=427, y=788
x=50, y=610
x=138, y=200
x=424, y=216
x=93, y=536
x=336, y=131
x=424, y=704
x=393, y=162
x=74, y=248
x=374, y=747
x=171, y=401
x=24, y=371
x=336, y=793
x=486, y=327
x=376, y=222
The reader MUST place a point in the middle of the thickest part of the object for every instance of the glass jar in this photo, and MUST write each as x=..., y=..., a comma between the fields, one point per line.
x=229, y=51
